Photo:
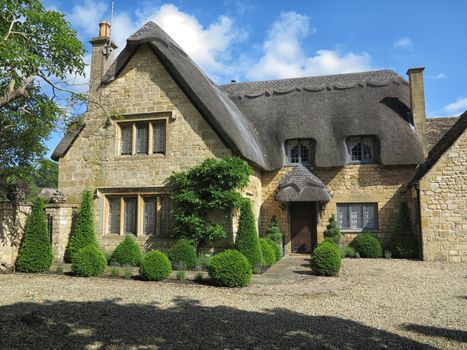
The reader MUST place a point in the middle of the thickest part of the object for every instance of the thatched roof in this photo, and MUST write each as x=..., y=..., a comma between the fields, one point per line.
x=440, y=148
x=254, y=119
x=301, y=185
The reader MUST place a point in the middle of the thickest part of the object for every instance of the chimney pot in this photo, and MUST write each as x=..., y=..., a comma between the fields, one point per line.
x=104, y=30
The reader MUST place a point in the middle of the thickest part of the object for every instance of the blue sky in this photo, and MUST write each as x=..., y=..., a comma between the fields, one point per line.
x=257, y=40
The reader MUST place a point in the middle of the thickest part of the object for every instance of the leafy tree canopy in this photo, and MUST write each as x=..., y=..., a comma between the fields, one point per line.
x=210, y=186
x=38, y=50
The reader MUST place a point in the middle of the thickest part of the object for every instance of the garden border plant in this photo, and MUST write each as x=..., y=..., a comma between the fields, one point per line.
x=211, y=186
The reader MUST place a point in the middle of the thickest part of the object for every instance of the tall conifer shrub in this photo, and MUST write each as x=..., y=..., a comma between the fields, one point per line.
x=247, y=240
x=35, y=252
x=84, y=233
x=403, y=243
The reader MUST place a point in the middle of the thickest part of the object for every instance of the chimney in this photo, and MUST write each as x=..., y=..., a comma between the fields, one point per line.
x=102, y=56
x=417, y=101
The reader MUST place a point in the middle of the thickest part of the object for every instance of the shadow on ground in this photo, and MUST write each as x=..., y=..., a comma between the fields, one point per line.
x=452, y=334
x=185, y=325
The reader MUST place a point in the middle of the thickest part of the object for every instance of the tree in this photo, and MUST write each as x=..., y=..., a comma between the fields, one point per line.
x=84, y=233
x=209, y=187
x=35, y=252
x=37, y=47
x=247, y=240
x=403, y=243
x=332, y=230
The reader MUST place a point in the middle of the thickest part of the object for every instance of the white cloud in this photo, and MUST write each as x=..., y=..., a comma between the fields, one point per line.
x=403, y=43
x=205, y=45
x=456, y=107
x=284, y=57
x=440, y=76
x=87, y=16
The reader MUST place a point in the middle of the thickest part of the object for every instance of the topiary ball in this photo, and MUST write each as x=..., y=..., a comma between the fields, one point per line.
x=269, y=258
x=126, y=253
x=276, y=248
x=183, y=253
x=368, y=246
x=89, y=261
x=326, y=259
x=155, y=266
x=230, y=269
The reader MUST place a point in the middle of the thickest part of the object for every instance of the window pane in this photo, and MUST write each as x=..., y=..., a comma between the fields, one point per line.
x=166, y=217
x=343, y=216
x=142, y=131
x=114, y=215
x=126, y=138
x=130, y=215
x=159, y=137
x=369, y=216
x=356, y=217
x=367, y=152
x=304, y=153
x=294, y=154
x=149, y=215
x=357, y=152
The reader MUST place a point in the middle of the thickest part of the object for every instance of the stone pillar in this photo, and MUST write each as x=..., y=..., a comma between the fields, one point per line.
x=62, y=220
x=417, y=102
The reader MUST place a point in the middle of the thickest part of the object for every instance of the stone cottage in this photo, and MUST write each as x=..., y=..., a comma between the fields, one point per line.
x=344, y=144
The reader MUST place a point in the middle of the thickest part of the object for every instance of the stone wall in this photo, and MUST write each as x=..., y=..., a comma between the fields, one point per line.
x=368, y=183
x=443, y=206
x=61, y=222
x=12, y=222
x=143, y=88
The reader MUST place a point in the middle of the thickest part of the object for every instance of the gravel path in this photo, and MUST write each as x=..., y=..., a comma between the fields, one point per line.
x=387, y=304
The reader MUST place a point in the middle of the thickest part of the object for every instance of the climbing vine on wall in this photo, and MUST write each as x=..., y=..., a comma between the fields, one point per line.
x=212, y=186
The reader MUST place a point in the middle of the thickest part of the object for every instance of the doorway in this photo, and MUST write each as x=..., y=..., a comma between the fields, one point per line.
x=303, y=222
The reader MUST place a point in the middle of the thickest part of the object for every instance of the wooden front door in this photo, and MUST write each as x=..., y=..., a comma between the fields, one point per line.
x=303, y=221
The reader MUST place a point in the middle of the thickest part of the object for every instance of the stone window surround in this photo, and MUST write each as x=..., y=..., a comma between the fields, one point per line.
x=134, y=119
x=363, y=229
x=370, y=141
x=290, y=143
x=140, y=211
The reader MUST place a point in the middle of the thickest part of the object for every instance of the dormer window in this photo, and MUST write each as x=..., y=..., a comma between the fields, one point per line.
x=362, y=149
x=299, y=151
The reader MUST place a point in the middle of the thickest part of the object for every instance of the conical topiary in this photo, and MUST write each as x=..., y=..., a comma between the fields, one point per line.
x=127, y=252
x=247, y=240
x=332, y=230
x=84, y=233
x=403, y=243
x=35, y=252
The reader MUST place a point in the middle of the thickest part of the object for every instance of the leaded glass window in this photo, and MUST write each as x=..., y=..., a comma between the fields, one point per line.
x=362, y=149
x=298, y=151
x=357, y=216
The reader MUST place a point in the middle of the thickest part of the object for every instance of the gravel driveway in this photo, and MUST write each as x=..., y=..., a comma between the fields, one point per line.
x=386, y=304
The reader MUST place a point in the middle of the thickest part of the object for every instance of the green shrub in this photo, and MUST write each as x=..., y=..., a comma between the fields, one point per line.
x=126, y=253
x=89, y=261
x=230, y=269
x=59, y=269
x=347, y=251
x=155, y=266
x=273, y=232
x=275, y=248
x=269, y=257
x=180, y=275
x=332, y=230
x=203, y=261
x=35, y=252
x=326, y=259
x=403, y=242
x=127, y=272
x=84, y=233
x=114, y=272
x=367, y=246
x=247, y=241
x=199, y=277
x=183, y=252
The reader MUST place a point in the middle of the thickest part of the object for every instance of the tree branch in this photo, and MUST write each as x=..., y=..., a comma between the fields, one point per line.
x=14, y=94
x=10, y=28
